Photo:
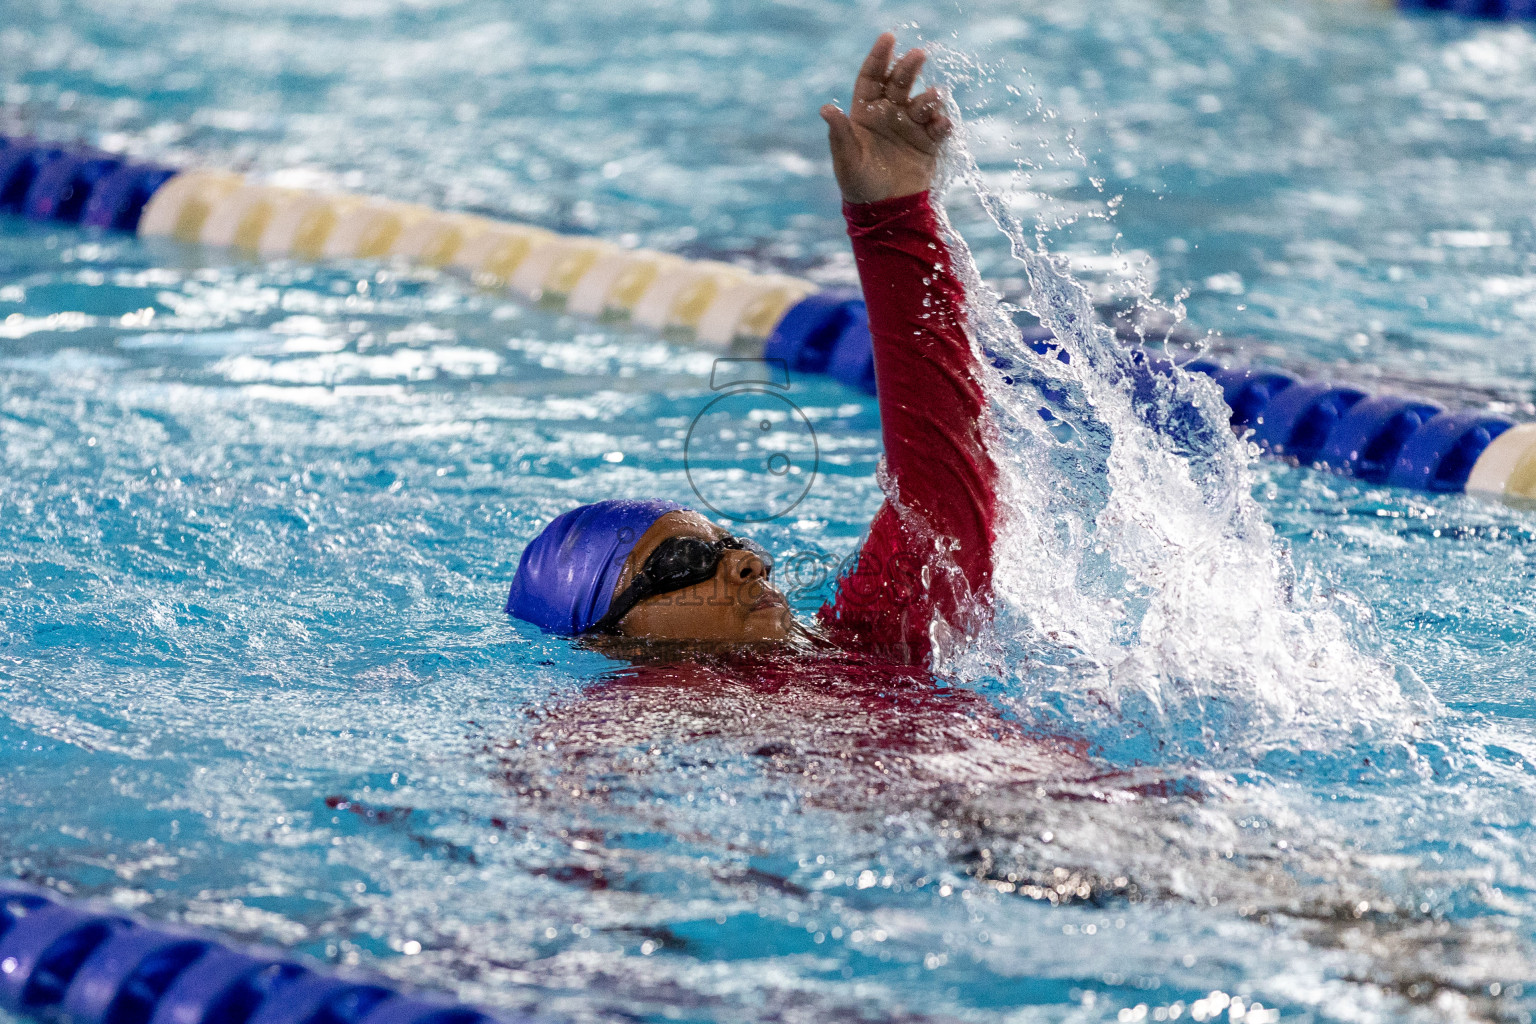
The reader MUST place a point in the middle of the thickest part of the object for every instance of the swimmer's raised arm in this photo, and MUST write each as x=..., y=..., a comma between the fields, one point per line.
x=656, y=571
x=928, y=555
x=888, y=143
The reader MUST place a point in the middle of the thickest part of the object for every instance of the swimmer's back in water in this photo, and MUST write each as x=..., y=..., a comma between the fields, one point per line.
x=656, y=571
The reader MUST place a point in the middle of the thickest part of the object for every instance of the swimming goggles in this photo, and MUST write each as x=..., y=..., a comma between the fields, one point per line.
x=677, y=562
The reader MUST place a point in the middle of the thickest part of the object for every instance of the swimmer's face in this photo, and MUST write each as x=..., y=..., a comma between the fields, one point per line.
x=737, y=605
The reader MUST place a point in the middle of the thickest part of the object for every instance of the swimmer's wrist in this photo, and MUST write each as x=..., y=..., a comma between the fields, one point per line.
x=863, y=215
x=897, y=197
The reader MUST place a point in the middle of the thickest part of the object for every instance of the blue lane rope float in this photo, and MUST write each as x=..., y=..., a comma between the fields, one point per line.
x=1385, y=439
x=1298, y=420
x=1390, y=439
x=91, y=966
x=1496, y=10
x=1367, y=440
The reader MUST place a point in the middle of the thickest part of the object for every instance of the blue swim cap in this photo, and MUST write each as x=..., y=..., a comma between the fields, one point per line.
x=566, y=578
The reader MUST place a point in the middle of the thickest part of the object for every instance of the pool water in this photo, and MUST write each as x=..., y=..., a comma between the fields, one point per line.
x=1247, y=741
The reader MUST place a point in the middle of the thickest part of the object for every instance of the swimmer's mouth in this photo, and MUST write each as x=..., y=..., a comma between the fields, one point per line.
x=769, y=600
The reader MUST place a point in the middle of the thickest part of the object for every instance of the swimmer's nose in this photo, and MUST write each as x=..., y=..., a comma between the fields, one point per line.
x=745, y=567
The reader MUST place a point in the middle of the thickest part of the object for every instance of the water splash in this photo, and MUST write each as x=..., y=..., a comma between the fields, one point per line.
x=1138, y=580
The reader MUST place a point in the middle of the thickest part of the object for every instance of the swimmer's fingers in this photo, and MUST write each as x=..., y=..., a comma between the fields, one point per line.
x=876, y=69
x=927, y=112
x=925, y=107
x=899, y=86
x=929, y=136
x=925, y=138
x=843, y=141
x=840, y=132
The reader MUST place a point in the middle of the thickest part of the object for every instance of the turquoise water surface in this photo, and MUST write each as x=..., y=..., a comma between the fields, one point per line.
x=1247, y=741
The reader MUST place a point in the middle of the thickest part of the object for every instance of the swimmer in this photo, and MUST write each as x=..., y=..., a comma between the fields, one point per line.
x=654, y=571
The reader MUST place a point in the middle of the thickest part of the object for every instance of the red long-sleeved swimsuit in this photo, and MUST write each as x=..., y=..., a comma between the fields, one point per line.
x=872, y=706
x=929, y=549
x=866, y=720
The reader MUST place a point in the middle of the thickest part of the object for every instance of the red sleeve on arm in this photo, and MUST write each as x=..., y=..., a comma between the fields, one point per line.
x=931, y=408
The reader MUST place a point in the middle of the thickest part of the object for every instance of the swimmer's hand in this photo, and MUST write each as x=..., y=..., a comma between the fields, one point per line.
x=888, y=144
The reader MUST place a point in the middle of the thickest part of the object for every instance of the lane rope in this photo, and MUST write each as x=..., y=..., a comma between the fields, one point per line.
x=93, y=965
x=1390, y=439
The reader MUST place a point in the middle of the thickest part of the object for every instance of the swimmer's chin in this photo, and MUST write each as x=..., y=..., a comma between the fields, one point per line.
x=770, y=621
x=765, y=631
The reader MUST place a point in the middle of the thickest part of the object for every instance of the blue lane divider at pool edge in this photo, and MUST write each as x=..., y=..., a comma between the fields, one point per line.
x=89, y=965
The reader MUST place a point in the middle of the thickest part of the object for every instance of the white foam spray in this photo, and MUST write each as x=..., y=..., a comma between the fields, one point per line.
x=1136, y=575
